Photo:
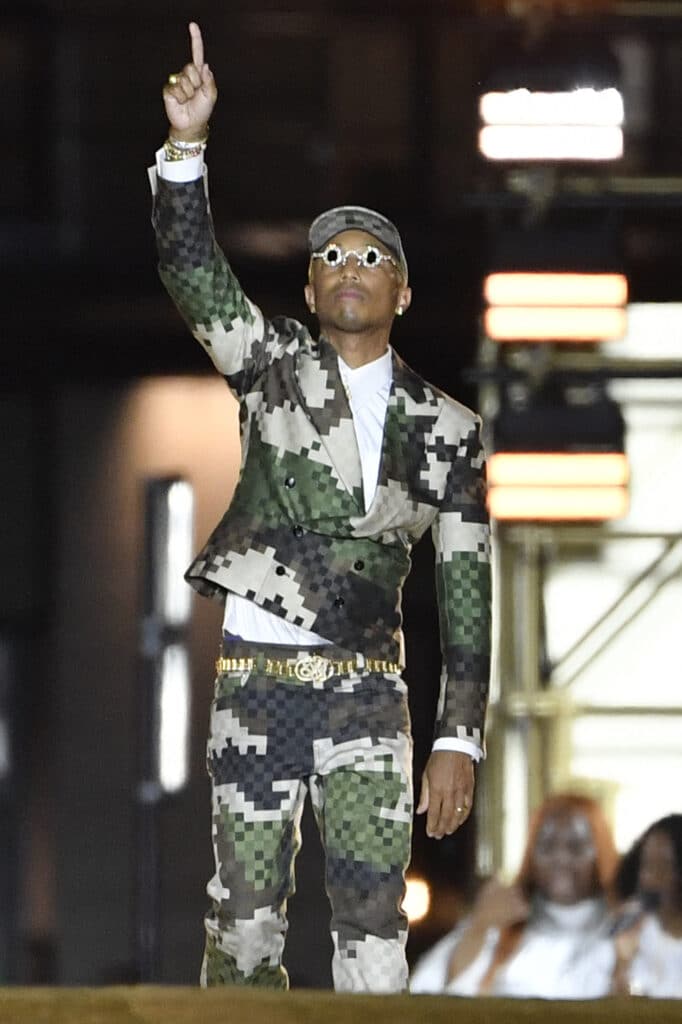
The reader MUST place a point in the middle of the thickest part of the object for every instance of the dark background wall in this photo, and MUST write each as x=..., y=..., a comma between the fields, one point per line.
x=101, y=386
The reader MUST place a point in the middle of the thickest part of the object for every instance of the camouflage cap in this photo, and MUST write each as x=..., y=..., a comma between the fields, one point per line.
x=359, y=218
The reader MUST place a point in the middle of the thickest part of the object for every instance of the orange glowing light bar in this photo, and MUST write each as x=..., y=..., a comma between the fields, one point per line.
x=554, y=323
x=558, y=485
x=558, y=503
x=556, y=289
x=558, y=469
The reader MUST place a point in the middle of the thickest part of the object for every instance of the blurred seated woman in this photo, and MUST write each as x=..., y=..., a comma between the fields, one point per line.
x=546, y=936
x=649, y=881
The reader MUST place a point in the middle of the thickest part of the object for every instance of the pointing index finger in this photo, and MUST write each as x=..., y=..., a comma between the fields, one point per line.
x=197, y=45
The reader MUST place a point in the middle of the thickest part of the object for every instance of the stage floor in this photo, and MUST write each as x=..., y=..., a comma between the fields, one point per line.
x=179, y=1005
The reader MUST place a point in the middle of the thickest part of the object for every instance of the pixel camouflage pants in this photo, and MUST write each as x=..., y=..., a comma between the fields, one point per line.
x=346, y=741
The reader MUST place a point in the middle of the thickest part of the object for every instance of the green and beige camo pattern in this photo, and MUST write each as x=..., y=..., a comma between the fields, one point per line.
x=297, y=539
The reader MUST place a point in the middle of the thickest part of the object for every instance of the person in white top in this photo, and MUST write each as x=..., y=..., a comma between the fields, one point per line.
x=649, y=925
x=545, y=936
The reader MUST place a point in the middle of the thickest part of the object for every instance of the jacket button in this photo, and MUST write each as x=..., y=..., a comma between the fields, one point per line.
x=359, y=565
x=290, y=481
x=280, y=570
x=339, y=602
x=297, y=530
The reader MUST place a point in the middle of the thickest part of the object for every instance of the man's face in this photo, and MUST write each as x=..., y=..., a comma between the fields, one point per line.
x=352, y=298
x=564, y=866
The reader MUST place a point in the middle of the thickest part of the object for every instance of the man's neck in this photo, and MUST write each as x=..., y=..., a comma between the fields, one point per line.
x=358, y=349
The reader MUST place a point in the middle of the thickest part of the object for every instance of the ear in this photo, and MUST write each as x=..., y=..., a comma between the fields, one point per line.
x=309, y=292
x=404, y=299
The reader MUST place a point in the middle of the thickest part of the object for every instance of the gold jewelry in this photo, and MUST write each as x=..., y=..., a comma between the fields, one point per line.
x=399, y=310
x=173, y=152
x=309, y=668
x=183, y=144
x=173, y=79
x=460, y=809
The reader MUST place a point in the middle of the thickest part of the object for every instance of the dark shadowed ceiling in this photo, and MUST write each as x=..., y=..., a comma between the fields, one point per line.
x=319, y=103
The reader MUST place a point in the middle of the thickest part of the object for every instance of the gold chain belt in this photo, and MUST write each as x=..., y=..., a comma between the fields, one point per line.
x=309, y=668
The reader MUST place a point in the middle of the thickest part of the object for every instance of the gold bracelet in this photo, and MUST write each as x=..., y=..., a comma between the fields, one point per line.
x=171, y=152
x=183, y=144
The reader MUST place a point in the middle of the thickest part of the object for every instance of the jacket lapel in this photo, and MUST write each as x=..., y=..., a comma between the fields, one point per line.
x=412, y=411
x=324, y=399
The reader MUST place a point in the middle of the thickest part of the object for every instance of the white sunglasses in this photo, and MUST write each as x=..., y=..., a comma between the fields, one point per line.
x=334, y=256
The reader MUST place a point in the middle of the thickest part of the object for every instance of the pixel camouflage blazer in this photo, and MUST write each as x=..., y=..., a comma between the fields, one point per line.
x=297, y=538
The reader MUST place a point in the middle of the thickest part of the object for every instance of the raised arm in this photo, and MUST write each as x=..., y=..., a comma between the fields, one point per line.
x=192, y=265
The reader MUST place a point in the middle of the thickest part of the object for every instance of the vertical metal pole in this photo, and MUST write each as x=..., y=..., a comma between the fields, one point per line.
x=489, y=773
x=515, y=774
x=148, y=793
x=529, y=651
x=148, y=874
x=8, y=818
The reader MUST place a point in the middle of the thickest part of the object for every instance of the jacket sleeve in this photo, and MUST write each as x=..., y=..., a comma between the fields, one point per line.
x=461, y=537
x=195, y=272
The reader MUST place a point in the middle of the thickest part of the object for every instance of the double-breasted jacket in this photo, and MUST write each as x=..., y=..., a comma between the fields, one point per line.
x=297, y=538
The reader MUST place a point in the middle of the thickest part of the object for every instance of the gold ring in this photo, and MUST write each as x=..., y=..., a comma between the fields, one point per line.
x=173, y=79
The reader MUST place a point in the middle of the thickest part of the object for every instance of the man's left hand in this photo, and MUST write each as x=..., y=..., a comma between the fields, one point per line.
x=447, y=792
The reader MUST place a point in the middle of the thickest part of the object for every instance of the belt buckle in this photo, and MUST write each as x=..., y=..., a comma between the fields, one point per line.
x=313, y=668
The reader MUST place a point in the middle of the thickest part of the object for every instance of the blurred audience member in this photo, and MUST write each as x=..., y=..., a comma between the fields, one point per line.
x=648, y=929
x=547, y=935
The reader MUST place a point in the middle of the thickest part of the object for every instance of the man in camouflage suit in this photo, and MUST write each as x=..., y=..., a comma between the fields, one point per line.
x=348, y=457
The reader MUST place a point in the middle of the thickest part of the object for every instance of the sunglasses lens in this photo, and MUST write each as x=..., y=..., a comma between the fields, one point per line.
x=372, y=257
x=332, y=256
